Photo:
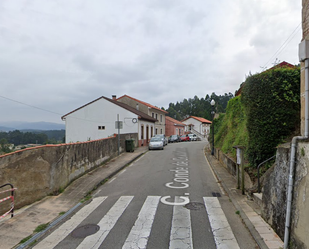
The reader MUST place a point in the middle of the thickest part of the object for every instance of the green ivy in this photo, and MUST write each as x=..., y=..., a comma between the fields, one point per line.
x=272, y=105
x=230, y=128
x=266, y=113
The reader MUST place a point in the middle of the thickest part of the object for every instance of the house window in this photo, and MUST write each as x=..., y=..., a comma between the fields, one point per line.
x=156, y=130
x=156, y=116
x=161, y=117
x=161, y=131
x=152, y=115
x=101, y=127
x=176, y=131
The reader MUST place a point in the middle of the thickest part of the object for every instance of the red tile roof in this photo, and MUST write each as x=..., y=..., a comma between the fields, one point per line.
x=202, y=120
x=141, y=115
x=174, y=121
x=142, y=102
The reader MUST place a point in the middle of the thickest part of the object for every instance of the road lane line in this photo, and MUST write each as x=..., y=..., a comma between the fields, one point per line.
x=111, y=180
x=66, y=228
x=106, y=224
x=215, y=176
x=223, y=234
x=181, y=233
x=139, y=235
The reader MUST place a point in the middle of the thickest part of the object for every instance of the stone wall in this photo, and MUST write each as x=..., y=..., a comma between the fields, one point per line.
x=230, y=165
x=44, y=170
x=275, y=195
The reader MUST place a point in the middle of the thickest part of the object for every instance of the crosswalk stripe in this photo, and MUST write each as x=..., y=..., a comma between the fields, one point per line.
x=181, y=234
x=140, y=232
x=66, y=228
x=106, y=224
x=223, y=235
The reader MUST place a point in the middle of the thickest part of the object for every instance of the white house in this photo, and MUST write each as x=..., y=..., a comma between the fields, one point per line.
x=97, y=120
x=197, y=125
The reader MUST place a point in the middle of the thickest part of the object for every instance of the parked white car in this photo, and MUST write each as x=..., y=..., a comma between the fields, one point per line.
x=193, y=137
x=156, y=143
x=163, y=137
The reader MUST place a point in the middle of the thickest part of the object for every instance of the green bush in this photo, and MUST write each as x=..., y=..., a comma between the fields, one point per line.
x=266, y=113
x=230, y=128
x=272, y=106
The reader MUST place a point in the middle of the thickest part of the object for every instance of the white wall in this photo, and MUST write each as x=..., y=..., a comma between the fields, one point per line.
x=198, y=126
x=145, y=123
x=82, y=125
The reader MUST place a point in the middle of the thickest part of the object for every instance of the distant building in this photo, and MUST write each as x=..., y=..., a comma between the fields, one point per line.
x=174, y=127
x=97, y=120
x=153, y=111
x=198, y=125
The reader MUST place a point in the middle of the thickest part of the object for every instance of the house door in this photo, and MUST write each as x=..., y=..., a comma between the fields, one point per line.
x=147, y=134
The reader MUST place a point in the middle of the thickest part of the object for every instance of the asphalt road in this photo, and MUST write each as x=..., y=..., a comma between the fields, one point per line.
x=165, y=199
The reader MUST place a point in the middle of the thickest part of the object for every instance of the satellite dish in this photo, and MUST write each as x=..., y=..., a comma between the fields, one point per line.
x=134, y=120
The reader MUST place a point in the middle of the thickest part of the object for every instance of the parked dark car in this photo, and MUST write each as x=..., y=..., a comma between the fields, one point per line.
x=185, y=138
x=174, y=138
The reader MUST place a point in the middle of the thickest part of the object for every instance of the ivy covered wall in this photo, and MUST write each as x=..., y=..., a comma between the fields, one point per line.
x=266, y=114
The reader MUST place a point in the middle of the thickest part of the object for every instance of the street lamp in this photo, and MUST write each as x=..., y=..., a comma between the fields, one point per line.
x=213, y=102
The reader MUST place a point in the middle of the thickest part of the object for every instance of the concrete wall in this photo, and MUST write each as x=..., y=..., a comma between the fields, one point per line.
x=275, y=195
x=41, y=171
x=230, y=165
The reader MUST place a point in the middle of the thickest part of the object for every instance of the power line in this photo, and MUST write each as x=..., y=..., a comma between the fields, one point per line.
x=32, y=106
x=39, y=108
x=283, y=46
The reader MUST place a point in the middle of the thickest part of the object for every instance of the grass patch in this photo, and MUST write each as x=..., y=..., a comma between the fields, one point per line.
x=86, y=198
x=61, y=213
x=237, y=212
x=25, y=239
x=41, y=227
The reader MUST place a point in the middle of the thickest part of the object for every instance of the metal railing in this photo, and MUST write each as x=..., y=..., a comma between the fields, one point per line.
x=258, y=172
x=9, y=197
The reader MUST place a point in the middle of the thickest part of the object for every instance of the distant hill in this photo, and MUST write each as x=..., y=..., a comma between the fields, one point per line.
x=10, y=126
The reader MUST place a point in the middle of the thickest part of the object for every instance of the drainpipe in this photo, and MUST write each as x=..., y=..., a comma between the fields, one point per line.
x=303, y=56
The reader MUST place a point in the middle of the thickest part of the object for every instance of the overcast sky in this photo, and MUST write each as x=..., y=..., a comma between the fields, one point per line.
x=58, y=55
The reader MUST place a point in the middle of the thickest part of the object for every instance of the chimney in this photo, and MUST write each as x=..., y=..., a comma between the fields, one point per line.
x=114, y=97
x=137, y=107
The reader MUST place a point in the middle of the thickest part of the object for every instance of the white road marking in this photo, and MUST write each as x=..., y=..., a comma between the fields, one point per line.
x=223, y=235
x=121, y=172
x=111, y=180
x=181, y=234
x=66, y=228
x=106, y=224
x=216, y=178
x=139, y=235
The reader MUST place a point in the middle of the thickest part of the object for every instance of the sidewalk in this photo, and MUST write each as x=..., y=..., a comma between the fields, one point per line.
x=48, y=210
x=250, y=212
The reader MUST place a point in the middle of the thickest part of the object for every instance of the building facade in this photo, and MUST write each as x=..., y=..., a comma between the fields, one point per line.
x=174, y=127
x=198, y=125
x=97, y=120
x=153, y=111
